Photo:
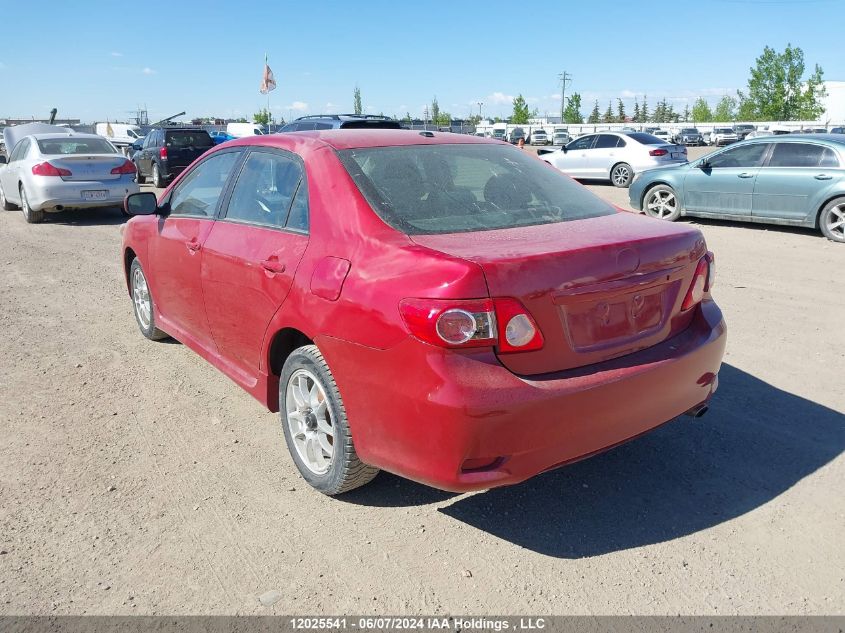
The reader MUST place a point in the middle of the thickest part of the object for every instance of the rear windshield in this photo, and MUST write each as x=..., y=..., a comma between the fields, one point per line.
x=389, y=125
x=433, y=189
x=75, y=146
x=646, y=139
x=189, y=138
x=724, y=130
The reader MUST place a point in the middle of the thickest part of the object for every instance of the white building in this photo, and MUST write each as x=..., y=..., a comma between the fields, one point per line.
x=834, y=102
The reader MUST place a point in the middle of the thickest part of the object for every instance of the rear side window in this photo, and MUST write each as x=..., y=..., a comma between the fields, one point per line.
x=800, y=155
x=188, y=138
x=606, y=141
x=20, y=150
x=431, y=189
x=265, y=189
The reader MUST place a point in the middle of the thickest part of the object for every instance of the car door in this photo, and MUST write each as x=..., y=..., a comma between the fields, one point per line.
x=253, y=251
x=603, y=155
x=176, y=253
x=144, y=163
x=574, y=161
x=11, y=172
x=791, y=184
x=724, y=183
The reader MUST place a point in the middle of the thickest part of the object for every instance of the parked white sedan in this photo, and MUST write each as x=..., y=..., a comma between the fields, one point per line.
x=53, y=171
x=614, y=156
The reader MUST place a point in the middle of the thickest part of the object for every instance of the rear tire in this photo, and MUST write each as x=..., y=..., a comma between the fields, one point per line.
x=832, y=220
x=31, y=216
x=661, y=202
x=158, y=181
x=621, y=175
x=315, y=425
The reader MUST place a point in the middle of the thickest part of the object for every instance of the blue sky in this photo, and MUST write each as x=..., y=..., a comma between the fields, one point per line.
x=98, y=59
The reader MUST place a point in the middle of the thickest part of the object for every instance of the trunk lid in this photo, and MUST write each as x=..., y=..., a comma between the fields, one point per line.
x=598, y=288
x=85, y=167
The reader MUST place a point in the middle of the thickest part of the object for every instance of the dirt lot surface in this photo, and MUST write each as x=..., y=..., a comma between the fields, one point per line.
x=137, y=479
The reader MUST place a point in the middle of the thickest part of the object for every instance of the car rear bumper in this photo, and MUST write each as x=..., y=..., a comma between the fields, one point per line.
x=57, y=194
x=448, y=408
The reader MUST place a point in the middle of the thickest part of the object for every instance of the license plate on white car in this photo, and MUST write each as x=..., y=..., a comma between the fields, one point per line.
x=100, y=194
x=677, y=155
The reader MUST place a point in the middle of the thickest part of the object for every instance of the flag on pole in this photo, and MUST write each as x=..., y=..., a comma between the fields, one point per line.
x=268, y=82
x=109, y=130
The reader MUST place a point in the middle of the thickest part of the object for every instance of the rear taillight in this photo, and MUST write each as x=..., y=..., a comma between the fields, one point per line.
x=472, y=323
x=128, y=167
x=162, y=153
x=48, y=169
x=658, y=152
x=702, y=282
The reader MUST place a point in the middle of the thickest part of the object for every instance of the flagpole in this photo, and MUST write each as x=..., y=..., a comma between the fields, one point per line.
x=269, y=116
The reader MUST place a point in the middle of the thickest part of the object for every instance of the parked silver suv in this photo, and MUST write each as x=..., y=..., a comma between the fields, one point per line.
x=688, y=136
x=723, y=136
x=539, y=137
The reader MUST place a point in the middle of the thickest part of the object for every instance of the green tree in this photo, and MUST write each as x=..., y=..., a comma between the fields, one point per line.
x=435, y=111
x=701, y=112
x=725, y=109
x=572, y=113
x=637, y=114
x=262, y=117
x=407, y=118
x=357, y=107
x=521, y=113
x=595, y=115
x=686, y=115
x=659, y=112
x=620, y=111
x=777, y=90
x=644, y=113
x=608, y=114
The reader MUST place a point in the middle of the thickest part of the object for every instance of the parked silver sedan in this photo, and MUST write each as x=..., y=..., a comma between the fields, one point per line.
x=616, y=156
x=51, y=172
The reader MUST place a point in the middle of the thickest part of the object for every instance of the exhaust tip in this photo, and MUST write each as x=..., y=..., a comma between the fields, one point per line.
x=697, y=411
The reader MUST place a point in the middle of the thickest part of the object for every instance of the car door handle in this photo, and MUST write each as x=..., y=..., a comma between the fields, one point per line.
x=193, y=246
x=746, y=175
x=824, y=177
x=273, y=266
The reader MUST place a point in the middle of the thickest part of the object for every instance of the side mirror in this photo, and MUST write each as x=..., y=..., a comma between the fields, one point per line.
x=2, y=159
x=705, y=164
x=144, y=203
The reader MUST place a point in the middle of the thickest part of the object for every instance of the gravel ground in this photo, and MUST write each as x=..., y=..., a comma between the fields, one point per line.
x=136, y=479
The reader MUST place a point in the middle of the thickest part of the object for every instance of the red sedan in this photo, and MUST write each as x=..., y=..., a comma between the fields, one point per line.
x=441, y=306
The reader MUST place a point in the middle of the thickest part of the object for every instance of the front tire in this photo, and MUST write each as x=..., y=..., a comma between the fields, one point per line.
x=661, y=202
x=31, y=216
x=315, y=425
x=7, y=206
x=142, y=301
x=621, y=175
x=832, y=220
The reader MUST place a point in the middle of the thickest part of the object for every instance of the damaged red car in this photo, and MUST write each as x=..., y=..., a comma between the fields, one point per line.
x=440, y=306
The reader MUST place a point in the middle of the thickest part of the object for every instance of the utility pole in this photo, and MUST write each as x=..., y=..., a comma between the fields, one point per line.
x=564, y=77
x=480, y=103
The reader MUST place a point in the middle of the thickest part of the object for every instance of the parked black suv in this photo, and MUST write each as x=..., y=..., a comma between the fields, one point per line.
x=167, y=151
x=340, y=121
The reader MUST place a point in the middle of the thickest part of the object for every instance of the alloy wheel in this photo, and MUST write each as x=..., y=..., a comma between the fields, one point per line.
x=141, y=298
x=621, y=175
x=835, y=221
x=309, y=421
x=661, y=204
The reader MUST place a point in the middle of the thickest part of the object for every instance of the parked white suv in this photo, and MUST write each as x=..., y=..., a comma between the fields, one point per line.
x=539, y=137
x=723, y=136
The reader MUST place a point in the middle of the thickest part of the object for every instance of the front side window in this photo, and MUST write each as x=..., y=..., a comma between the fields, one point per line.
x=199, y=193
x=741, y=156
x=265, y=189
x=433, y=189
x=585, y=142
x=800, y=155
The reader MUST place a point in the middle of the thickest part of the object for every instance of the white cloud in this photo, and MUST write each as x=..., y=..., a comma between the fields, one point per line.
x=116, y=54
x=628, y=94
x=498, y=98
x=298, y=106
x=330, y=106
x=148, y=71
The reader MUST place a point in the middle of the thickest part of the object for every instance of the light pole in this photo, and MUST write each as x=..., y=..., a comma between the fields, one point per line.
x=564, y=77
x=480, y=103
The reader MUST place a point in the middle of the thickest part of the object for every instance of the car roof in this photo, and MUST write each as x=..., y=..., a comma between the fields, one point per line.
x=362, y=138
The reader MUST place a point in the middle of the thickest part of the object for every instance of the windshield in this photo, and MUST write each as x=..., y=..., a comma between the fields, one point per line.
x=433, y=189
x=724, y=130
x=689, y=130
x=72, y=145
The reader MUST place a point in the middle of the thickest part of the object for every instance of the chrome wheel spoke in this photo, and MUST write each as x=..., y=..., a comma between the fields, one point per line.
x=324, y=443
x=309, y=422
